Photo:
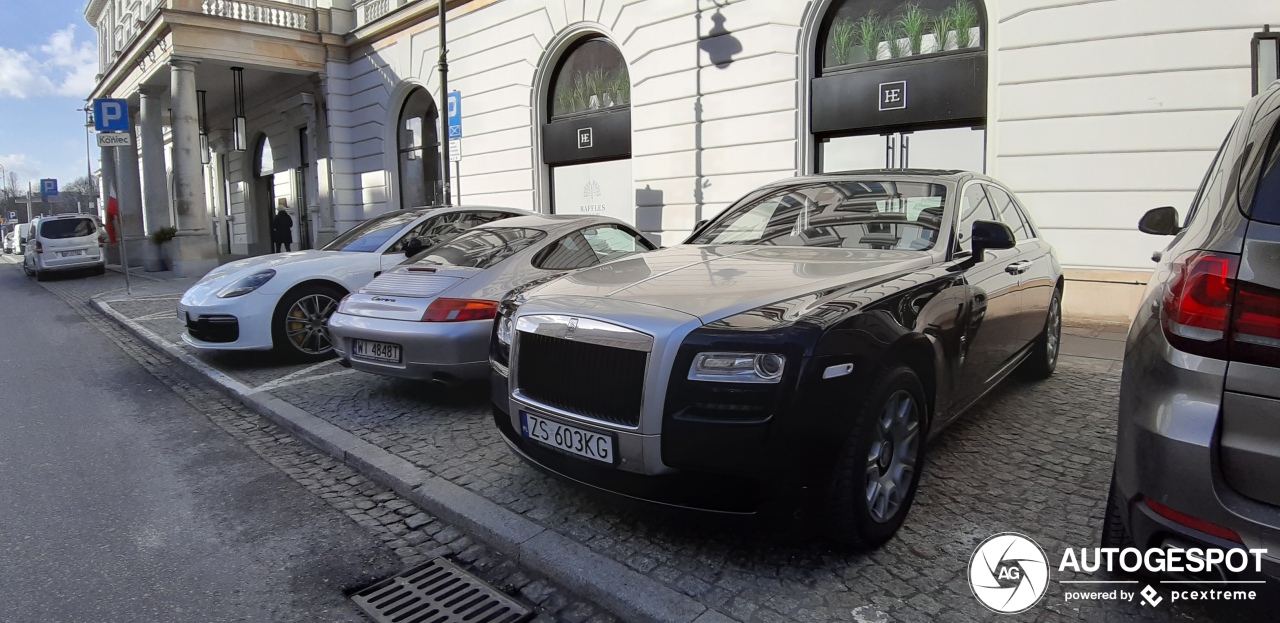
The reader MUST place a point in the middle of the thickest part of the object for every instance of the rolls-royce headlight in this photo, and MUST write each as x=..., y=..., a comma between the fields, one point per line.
x=737, y=367
x=248, y=284
x=504, y=330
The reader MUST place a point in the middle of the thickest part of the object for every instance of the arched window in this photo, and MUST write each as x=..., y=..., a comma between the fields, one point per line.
x=856, y=32
x=591, y=77
x=418, y=144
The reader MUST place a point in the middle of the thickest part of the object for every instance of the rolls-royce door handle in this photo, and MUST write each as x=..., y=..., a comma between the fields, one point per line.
x=1017, y=268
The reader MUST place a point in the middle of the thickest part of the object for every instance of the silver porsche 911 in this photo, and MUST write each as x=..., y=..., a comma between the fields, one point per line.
x=431, y=317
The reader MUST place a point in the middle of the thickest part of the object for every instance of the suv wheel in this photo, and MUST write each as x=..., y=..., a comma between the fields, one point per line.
x=1044, y=351
x=1114, y=532
x=299, y=325
x=879, y=469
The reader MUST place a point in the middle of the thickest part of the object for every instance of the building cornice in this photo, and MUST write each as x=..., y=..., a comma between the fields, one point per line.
x=93, y=11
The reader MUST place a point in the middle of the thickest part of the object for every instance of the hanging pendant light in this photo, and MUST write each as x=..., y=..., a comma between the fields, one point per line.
x=239, y=129
x=204, y=129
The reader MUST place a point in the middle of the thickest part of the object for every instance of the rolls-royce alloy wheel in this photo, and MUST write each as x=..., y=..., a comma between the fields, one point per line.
x=299, y=328
x=1044, y=351
x=879, y=469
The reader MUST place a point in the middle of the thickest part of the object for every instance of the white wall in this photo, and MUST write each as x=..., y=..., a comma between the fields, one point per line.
x=748, y=105
x=1104, y=109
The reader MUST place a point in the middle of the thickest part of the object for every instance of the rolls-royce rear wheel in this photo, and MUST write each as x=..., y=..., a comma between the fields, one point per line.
x=878, y=471
x=1044, y=351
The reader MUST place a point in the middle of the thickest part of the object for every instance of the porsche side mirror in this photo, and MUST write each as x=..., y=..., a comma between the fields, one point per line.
x=1160, y=222
x=988, y=235
x=413, y=246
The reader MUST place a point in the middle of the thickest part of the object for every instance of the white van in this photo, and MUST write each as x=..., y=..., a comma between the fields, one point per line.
x=65, y=242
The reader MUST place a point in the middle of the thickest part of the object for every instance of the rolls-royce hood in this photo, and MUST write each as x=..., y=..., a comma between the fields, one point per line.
x=715, y=281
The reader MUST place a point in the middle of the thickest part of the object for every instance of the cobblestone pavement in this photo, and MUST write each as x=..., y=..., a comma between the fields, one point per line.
x=1033, y=458
x=414, y=535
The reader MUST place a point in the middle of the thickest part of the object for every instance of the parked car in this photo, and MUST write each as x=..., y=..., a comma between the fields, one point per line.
x=431, y=318
x=795, y=353
x=64, y=242
x=1198, y=439
x=282, y=301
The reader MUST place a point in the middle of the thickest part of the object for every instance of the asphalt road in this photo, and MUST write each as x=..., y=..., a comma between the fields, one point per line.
x=119, y=502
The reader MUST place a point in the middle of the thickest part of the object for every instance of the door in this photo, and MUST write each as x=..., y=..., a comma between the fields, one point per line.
x=991, y=337
x=1035, y=270
x=259, y=215
x=961, y=148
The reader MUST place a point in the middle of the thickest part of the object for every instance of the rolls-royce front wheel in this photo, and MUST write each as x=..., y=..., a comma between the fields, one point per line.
x=878, y=471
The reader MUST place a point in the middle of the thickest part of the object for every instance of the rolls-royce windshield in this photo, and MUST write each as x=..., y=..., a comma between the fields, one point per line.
x=839, y=214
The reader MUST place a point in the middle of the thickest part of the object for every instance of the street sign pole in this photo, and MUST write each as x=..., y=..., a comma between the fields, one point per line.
x=444, y=91
x=111, y=120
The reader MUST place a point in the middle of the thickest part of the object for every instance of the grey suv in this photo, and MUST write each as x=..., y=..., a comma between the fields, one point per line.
x=1198, y=440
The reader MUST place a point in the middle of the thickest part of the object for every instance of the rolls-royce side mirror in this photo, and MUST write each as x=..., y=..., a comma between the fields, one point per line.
x=989, y=235
x=1160, y=222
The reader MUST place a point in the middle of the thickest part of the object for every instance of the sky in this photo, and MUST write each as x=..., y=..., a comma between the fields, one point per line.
x=48, y=58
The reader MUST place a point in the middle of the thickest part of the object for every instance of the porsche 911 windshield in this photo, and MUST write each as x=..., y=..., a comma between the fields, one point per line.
x=838, y=214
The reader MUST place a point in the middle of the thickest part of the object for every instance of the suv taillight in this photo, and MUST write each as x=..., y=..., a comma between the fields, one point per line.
x=102, y=241
x=1255, y=325
x=1207, y=312
x=39, y=247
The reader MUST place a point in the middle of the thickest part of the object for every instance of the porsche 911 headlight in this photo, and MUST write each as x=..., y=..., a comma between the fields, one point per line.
x=737, y=367
x=245, y=285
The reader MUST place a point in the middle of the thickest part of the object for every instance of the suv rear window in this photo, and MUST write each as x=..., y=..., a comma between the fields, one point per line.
x=67, y=228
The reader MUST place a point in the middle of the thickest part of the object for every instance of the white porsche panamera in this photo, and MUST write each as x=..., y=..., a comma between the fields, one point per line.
x=282, y=301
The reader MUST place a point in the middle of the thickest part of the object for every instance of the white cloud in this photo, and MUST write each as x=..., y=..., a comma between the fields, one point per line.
x=60, y=66
x=25, y=166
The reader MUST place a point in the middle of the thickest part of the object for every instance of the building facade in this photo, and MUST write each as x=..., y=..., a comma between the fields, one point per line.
x=663, y=112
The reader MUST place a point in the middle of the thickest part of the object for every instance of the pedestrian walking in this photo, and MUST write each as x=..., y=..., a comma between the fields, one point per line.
x=282, y=231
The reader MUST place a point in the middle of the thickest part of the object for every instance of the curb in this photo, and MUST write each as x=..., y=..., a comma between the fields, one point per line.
x=622, y=591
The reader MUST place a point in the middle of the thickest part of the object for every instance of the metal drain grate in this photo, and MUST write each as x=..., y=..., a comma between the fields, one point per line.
x=438, y=592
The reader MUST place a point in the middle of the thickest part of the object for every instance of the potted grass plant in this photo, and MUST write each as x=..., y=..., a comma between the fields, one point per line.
x=911, y=26
x=943, y=37
x=964, y=18
x=161, y=237
x=842, y=41
x=870, y=31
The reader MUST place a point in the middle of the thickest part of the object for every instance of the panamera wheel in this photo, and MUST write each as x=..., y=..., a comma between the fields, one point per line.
x=879, y=469
x=300, y=327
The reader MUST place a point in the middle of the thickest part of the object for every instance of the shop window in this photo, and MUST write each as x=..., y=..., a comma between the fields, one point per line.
x=864, y=31
x=418, y=146
x=591, y=77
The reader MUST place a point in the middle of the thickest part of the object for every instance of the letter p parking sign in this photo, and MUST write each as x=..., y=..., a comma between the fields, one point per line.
x=111, y=115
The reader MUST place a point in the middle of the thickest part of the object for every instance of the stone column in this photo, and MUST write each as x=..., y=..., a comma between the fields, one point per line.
x=129, y=195
x=194, y=250
x=105, y=188
x=155, y=182
x=317, y=131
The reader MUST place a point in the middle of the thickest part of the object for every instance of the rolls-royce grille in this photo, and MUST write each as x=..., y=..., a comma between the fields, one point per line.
x=599, y=382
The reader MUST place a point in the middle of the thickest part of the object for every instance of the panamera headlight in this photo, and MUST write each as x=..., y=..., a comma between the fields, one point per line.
x=504, y=330
x=245, y=285
x=737, y=367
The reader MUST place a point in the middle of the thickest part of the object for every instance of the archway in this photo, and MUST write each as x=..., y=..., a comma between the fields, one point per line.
x=259, y=222
x=418, y=151
x=897, y=84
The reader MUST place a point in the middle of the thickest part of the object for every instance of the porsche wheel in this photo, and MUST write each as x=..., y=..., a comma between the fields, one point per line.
x=299, y=328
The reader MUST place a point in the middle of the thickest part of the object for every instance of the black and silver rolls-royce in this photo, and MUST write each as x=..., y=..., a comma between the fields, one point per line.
x=795, y=353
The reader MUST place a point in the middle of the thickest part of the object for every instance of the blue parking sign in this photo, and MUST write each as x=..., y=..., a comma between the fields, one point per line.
x=455, y=114
x=49, y=187
x=111, y=115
